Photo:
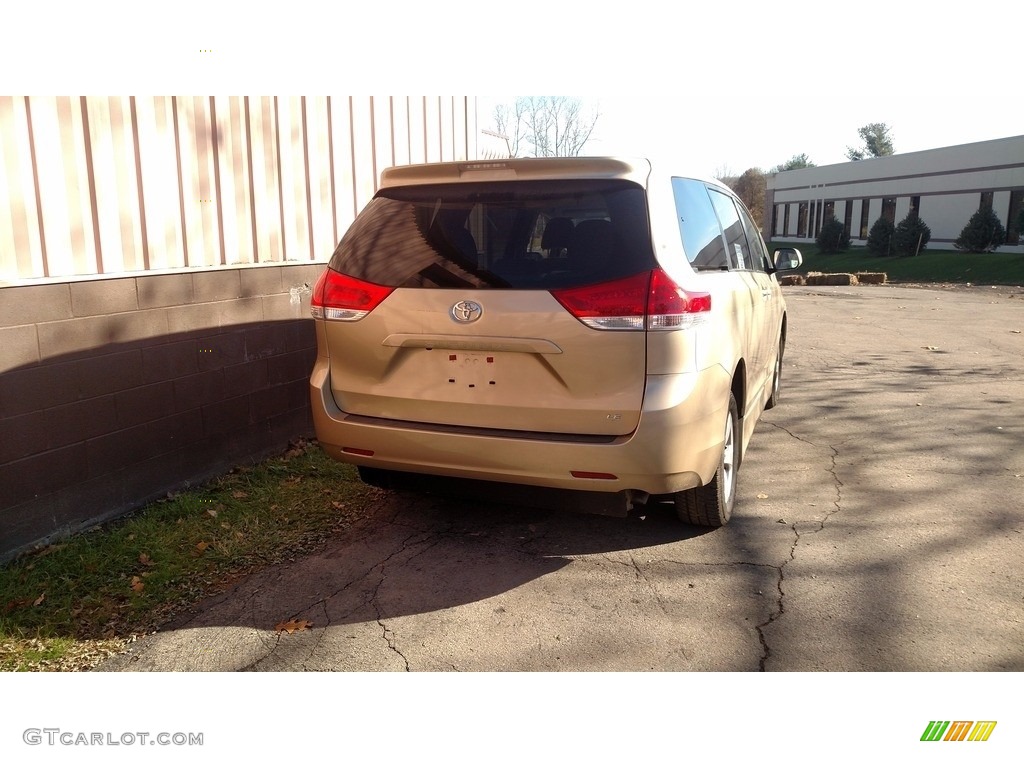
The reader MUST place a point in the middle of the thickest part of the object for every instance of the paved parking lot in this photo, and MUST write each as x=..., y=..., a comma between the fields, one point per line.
x=880, y=526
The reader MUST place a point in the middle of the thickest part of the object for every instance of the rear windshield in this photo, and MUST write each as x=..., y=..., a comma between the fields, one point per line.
x=536, y=234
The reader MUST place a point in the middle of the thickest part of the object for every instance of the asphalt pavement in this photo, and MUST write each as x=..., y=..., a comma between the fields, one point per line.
x=879, y=526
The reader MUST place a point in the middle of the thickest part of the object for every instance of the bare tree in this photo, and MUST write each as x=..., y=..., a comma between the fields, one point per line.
x=750, y=188
x=545, y=126
x=726, y=175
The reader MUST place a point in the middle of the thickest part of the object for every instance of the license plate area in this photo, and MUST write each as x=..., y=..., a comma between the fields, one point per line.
x=471, y=370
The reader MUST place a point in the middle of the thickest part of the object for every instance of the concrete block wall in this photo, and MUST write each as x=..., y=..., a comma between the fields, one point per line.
x=114, y=391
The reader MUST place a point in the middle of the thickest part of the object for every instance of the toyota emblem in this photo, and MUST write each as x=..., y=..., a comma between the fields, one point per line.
x=466, y=311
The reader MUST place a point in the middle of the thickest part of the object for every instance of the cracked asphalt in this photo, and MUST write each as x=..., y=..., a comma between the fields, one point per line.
x=879, y=526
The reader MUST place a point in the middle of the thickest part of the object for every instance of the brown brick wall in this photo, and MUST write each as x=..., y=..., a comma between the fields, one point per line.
x=114, y=391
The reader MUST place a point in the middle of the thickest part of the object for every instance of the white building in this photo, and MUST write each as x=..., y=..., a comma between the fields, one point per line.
x=945, y=185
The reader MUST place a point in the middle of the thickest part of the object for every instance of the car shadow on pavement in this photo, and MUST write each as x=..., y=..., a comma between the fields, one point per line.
x=419, y=553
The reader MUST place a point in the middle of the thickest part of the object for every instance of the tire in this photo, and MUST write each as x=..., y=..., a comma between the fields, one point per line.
x=378, y=478
x=773, y=397
x=711, y=505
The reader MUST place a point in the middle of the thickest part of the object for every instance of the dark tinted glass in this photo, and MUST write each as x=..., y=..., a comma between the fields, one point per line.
x=499, y=235
x=698, y=225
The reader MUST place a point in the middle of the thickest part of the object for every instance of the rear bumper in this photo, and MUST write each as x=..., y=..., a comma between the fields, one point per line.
x=676, y=445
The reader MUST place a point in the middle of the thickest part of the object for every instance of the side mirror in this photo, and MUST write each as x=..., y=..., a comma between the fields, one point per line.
x=787, y=259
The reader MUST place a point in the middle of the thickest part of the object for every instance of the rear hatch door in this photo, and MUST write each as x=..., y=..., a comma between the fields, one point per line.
x=472, y=333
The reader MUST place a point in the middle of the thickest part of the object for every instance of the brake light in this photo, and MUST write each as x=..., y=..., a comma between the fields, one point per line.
x=649, y=300
x=670, y=308
x=618, y=305
x=343, y=297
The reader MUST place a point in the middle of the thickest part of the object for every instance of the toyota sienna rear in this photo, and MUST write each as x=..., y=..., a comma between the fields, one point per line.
x=587, y=324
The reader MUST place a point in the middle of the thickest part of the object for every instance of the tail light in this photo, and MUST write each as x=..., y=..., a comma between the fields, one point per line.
x=649, y=300
x=342, y=297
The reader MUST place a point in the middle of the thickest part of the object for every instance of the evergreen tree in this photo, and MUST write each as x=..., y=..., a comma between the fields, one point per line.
x=877, y=142
x=910, y=236
x=880, y=237
x=794, y=163
x=983, y=232
x=833, y=237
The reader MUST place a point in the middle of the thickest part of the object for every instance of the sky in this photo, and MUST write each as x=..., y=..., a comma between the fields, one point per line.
x=664, y=129
x=710, y=88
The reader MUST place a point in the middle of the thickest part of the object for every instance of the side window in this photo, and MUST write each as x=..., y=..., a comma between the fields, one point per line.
x=698, y=225
x=735, y=237
x=758, y=252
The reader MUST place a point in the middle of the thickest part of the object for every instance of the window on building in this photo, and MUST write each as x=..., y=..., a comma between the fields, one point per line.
x=801, y=221
x=830, y=208
x=915, y=205
x=865, y=206
x=775, y=221
x=889, y=209
x=986, y=201
x=811, y=232
x=1013, y=217
x=848, y=217
x=785, y=220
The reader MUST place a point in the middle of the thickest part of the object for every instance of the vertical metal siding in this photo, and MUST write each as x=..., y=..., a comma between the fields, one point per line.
x=417, y=130
x=109, y=185
x=321, y=192
x=295, y=213
x=62, y=183
x=118, y=220
x=237, y=218
x=432, y=129
x=20, y=242
x=158, y=169
x=363, y=151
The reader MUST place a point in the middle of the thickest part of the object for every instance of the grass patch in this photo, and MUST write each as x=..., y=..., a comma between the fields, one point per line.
x=77, y=602
x=929, y=266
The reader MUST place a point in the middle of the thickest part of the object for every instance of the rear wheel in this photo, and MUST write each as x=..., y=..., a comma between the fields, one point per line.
x=711, y=505
x=773, y=398
x=378, y=478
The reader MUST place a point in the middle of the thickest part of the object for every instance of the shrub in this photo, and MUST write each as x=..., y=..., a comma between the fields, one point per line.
x=833, y=237
x=908, y=234
x=880, y=237
x=982, y=234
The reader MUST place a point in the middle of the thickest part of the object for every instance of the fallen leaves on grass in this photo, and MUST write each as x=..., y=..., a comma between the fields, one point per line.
x=41, y=655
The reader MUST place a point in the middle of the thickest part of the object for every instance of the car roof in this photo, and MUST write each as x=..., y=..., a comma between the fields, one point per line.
x=519, y=169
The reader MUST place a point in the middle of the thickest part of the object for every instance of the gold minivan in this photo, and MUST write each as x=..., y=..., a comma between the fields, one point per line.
x=588, y=324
